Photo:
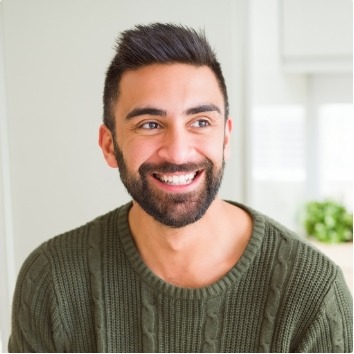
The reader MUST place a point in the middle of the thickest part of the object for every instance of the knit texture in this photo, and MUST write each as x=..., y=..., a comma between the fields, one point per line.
x=88, y=290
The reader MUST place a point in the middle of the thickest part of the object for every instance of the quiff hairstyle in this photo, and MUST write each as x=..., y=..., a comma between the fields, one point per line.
x=157, y=43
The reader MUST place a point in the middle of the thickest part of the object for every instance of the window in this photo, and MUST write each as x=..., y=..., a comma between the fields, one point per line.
x=335, y=123
x=278, y=148
x=303, y=152
x=278, y=161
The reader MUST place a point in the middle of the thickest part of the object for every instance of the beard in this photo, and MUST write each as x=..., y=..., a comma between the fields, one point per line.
x=174, y=210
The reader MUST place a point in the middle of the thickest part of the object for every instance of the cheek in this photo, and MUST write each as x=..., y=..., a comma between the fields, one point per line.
x=213, y=149
x=135, y=149
x=137, y=152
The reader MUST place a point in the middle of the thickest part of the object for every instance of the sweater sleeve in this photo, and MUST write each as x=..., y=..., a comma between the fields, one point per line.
x=36, y=325
x=331, y=331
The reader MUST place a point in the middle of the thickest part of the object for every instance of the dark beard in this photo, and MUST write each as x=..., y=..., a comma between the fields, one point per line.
x=174, y=210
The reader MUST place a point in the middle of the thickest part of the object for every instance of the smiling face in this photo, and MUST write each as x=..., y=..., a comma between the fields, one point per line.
x=171, y=140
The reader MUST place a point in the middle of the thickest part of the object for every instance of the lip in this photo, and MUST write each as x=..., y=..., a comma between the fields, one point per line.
x=183, y=188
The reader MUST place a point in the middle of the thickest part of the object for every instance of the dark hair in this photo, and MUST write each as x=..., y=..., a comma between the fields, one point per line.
x=157, y=44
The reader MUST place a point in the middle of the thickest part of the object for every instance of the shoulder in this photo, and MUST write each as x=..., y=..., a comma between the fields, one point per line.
x=85, y=235
x=70, y=249
x=57, y=278
x=290, y=257
x=307, y=290
x=58, y=265
x=304, y=259
x=306, y=277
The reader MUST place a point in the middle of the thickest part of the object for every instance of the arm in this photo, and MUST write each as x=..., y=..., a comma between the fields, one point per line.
x=35, y=320
x=332, y=328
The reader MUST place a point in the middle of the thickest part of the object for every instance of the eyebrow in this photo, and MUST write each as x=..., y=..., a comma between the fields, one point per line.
x=203, y=108
x=136, y=112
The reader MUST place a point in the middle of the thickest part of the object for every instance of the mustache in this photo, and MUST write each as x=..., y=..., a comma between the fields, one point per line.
x=166, y=167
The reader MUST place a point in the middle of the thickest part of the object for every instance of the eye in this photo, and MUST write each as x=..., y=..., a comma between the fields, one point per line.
x=150, y=126
x=200, y=123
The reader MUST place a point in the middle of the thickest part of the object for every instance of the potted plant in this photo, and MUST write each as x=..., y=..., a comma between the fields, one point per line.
x=328, y=221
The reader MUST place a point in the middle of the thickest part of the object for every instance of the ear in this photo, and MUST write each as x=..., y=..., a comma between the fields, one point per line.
x=227, y=137
x=105, y=140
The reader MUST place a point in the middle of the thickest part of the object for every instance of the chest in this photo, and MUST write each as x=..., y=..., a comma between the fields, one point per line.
x=137, y=319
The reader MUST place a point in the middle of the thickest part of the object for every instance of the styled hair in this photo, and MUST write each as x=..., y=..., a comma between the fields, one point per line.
x=157, y=43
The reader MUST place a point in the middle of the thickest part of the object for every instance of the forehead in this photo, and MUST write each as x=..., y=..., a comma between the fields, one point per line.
x=169, y=86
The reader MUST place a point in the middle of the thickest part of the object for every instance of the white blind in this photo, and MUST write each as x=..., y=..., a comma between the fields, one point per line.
x=335, y=151
x=278, y=143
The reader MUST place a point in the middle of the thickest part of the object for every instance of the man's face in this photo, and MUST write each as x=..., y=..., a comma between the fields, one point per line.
x=170, y=140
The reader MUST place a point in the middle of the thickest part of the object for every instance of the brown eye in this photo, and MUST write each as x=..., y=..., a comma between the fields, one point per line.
x=200, y=123
x=150, y=126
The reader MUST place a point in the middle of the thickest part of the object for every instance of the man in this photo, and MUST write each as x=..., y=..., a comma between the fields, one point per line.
x=177, y=269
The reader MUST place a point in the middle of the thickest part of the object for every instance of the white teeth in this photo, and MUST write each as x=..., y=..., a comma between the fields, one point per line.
x=177, y=179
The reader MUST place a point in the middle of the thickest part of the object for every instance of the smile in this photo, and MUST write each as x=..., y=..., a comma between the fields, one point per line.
x=176, y=179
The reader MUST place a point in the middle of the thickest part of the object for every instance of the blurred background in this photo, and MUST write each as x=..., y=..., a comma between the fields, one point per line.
x=288, y=67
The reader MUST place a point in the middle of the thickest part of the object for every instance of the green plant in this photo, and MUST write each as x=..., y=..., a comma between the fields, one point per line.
x=328, y=221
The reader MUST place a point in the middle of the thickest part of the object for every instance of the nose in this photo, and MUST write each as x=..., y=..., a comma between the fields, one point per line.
x=177, y=147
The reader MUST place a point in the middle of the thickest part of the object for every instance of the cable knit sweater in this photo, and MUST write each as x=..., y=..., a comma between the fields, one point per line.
x=89, y=291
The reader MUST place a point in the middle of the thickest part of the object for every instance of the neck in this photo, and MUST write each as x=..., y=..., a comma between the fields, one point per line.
x=197, y=254
x=149, y=232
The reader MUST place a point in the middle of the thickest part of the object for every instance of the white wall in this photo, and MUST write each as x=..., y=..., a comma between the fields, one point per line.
x=7, y=271
x=56, y=54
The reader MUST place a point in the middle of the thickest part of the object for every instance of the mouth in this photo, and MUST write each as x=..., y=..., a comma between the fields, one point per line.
x=177, y=179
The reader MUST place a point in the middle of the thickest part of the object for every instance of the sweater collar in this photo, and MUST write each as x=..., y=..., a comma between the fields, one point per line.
x=158, y=285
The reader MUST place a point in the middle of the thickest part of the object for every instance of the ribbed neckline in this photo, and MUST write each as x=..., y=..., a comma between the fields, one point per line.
x=222, y=285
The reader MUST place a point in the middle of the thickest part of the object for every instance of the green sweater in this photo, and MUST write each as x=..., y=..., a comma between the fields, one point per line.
x=89, y=291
